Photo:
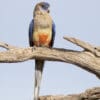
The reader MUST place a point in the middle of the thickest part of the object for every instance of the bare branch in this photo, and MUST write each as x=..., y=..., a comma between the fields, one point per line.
x=90, y=94
x=84, y=45
x=86, y=59
x=80, y=43
x=6, y=46
x=89, y=60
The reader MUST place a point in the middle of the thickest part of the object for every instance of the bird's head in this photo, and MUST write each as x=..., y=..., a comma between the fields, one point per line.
x=42, y=6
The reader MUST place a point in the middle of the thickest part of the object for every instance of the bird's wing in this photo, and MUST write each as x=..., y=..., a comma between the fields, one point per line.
x=53, y=33
x=31, y=29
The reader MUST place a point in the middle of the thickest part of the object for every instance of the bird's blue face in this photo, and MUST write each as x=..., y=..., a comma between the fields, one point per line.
x=44, y=6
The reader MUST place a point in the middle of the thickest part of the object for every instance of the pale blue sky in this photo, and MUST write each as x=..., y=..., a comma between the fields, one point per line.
x=76, y=18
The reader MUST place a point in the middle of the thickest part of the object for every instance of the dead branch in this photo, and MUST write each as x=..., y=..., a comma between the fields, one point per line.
x=90, y=94
x=89, y=59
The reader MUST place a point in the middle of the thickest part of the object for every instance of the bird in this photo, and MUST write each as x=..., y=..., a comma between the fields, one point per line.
x=41, y=34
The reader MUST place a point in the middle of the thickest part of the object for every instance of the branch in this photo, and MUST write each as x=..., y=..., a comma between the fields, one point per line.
x=90, y=94
x=84, y=45
x=6, y=46
x=89, y=59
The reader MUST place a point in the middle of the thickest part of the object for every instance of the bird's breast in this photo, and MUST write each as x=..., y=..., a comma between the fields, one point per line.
x=42, y=37
x=42, y=29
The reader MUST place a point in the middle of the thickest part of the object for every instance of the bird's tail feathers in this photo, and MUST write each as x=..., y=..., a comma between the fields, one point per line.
x=39, y=64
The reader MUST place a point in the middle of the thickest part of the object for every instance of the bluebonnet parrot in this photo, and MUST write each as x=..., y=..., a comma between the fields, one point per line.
x=41, y=34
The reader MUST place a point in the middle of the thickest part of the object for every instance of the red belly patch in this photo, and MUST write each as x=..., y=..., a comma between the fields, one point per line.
x=43, y=38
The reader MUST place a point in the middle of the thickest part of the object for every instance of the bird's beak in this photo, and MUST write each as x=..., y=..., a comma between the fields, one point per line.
x=48, y=11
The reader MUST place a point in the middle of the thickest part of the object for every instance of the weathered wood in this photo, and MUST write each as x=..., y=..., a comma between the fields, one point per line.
x=90, y=94
x=86, y=46
x=84, y=59
x=88, y=59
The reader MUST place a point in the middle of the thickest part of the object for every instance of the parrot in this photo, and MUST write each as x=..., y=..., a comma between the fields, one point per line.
x=41, y=34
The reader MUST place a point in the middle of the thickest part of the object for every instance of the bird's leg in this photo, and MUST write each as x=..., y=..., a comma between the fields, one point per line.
x=38, y=76
x=33, y=48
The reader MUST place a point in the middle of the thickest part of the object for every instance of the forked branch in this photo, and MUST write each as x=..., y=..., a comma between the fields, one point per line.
x=88, y=59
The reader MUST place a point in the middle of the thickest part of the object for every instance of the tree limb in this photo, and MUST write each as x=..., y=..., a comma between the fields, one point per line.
x=89, y=59
x=84, y=45
x=6, y=46
x=90, y=94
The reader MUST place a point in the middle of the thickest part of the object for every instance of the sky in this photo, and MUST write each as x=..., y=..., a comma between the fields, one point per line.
x=74, y=18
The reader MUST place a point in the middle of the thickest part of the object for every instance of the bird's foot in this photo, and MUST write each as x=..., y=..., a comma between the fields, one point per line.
x=33, y=48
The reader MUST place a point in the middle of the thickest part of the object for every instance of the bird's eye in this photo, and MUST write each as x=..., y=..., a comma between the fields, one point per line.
x=44, y=7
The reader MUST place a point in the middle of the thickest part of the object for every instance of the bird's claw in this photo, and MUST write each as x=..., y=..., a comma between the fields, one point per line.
x=33, y=48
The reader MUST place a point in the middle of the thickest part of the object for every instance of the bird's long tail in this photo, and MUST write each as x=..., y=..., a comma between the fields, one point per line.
x=39, y=64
